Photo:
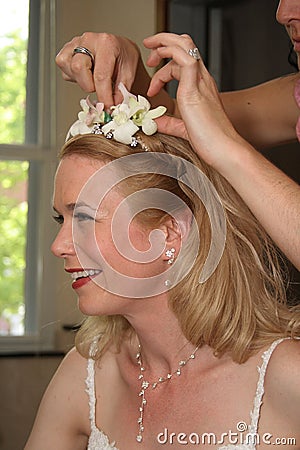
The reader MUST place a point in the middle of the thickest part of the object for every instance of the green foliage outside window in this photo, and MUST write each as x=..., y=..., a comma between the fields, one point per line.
x=13, y=182
x=13, y=60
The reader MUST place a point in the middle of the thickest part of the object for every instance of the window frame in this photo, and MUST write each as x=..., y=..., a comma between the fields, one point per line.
x=39, y=290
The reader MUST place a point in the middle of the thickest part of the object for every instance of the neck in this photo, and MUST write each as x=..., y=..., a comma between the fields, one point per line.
x=161, y=339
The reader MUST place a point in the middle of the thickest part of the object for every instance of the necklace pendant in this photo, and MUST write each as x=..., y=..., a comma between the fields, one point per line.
x=145, y=385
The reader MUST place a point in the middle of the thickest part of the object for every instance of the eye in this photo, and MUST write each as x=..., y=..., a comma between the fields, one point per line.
x=82, y=217
x=58, y=219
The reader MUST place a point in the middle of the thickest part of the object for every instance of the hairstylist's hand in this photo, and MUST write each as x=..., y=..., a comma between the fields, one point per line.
x=205, y=122
x=116, y=59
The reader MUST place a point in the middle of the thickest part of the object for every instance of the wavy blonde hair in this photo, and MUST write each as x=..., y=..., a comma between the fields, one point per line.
x=242, y=306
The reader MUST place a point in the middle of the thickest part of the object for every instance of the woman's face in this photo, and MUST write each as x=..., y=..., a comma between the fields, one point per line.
x=99, y=248
x=288, y=14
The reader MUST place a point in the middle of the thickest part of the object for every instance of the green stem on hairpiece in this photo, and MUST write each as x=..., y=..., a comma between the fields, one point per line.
x=107, y=117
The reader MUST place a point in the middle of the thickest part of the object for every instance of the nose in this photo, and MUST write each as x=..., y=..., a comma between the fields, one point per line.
x=63, y=245
x=287, y=11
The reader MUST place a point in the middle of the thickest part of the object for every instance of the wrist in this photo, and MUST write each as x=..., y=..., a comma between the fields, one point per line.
x=235, y=159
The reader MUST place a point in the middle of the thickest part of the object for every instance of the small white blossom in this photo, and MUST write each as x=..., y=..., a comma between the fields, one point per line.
x=125, y=120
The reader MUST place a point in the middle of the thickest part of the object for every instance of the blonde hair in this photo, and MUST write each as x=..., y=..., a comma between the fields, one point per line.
x=242, y=306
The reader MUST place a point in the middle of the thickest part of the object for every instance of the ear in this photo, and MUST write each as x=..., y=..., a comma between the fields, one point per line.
x=176, y=229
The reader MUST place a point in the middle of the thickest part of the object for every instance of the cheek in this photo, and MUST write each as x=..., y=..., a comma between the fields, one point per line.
x=89, y=245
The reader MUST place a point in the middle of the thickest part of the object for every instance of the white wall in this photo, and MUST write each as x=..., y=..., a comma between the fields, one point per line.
x=134, y=19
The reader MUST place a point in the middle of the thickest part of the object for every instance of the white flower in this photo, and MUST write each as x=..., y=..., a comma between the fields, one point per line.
x=89, y=115
x=140, y=111
x=133, y=113
x=143, y=116
x=122, y=132
x=125, y=120
x=78, y=127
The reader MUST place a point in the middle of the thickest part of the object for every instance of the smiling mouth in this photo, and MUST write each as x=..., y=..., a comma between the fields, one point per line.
x=85, y=274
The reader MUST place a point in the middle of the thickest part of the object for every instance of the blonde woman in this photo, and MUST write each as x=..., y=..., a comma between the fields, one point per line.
x=189, y=340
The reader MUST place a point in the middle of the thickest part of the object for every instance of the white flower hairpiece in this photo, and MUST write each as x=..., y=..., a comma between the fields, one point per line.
x=124, y=121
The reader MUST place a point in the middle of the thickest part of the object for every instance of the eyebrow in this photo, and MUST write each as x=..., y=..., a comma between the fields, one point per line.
x=72, y=206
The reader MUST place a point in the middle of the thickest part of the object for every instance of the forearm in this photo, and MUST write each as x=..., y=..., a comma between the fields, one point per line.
x=271, y=196
x=265, y=115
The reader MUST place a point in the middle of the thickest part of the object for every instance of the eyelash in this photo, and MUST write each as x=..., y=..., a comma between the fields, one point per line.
x=59, y=219
x=81, y=217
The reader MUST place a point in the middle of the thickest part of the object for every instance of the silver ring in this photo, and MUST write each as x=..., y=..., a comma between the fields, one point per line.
x=194, y=52
x=84, y=51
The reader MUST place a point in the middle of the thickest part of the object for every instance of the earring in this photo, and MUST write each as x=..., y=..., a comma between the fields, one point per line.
x=171, y=255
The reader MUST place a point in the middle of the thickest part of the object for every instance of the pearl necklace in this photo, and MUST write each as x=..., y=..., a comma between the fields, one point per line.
x=146, y=384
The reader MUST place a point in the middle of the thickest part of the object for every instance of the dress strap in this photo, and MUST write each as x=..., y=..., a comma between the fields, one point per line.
x=255, y=413
x=297, y=98
x=90, y=385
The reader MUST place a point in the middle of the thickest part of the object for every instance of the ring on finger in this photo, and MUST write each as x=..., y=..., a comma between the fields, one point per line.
x=85, y=51
x=194, y=52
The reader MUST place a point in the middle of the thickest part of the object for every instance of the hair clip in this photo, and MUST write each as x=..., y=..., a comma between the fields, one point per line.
x=126, y=118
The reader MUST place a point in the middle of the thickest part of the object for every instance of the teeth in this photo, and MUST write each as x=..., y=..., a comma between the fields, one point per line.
x=84, y=273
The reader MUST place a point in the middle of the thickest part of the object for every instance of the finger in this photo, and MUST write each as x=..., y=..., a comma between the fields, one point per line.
x=103, y=81
x=63, y=59
x=81, y=69
x=153, y=59
x=123, y=75
x=67, y=78
x=168, y=39
x=172, y=126
x=162, y=76
x=180, y=56
x=183, y=68
x=75, y=67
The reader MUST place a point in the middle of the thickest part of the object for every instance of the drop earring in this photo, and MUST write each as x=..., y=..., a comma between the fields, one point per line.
x=171, y=255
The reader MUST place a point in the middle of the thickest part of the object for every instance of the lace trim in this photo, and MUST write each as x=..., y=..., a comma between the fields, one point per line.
x=251, y=435
x=255, y=413
x=97, y=440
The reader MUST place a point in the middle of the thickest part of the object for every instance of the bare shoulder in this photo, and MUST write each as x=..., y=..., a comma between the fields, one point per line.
x=73, y=361
x=286, y=356
x=282, y=378
x=63, y=416
x=68, y=384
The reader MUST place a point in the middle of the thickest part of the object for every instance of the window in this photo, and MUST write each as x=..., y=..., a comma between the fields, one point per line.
x=26, y=171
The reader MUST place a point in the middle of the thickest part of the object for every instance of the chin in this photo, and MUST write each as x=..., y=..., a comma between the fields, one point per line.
x=102, y=305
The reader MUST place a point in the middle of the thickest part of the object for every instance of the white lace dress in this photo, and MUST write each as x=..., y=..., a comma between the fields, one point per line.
x=99, y=441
